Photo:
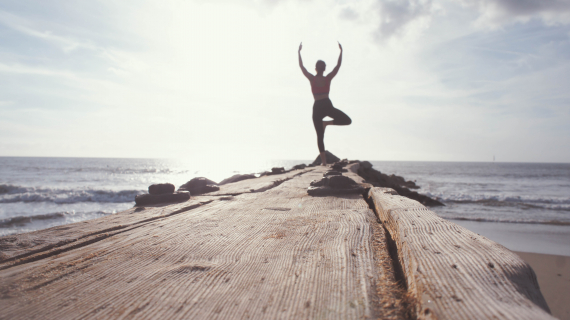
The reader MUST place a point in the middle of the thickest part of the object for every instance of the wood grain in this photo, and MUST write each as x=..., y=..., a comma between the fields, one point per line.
x=260, y=184
x=453, y=272
x=15, y=249
x=45, y=241
x=277, y=254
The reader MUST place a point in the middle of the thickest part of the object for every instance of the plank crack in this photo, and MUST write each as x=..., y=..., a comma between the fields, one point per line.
x=98, y=236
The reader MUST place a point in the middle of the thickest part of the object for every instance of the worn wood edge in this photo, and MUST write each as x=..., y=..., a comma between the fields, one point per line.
x=11, y=255
x=82, y=238
x=402, y=218
x=368, y=271
x=256, y=185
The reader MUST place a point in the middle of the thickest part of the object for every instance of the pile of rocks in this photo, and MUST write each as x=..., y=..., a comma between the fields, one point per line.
x=378, y=179
x=333, y=182
x=164, y=192
x=199, y=185
x=331, y=158
x=161, y=193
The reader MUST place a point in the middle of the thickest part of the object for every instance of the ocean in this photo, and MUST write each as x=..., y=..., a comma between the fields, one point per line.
x=37, y=193
x=535, y=193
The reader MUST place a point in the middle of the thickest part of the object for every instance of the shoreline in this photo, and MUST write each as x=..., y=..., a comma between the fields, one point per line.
x=524, y=237
x=553, y=274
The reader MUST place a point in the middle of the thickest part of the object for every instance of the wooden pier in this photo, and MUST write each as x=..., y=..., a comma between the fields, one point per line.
x=264, y=249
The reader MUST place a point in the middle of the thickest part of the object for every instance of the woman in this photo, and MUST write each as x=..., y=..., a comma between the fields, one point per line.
x=320, y=85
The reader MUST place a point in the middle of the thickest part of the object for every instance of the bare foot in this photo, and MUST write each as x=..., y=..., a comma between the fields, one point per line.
x=323, y=159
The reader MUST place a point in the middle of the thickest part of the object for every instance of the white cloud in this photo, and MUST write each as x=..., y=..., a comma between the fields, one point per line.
x=24, y=26
x=397, y=18
x=500, y=12
x=6, y=103
x=396, y=15
x=203, y=77
x=23, y=69
x=348, y=13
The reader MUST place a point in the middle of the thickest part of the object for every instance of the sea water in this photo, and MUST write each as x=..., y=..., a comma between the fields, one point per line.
x=523, y=206
x=536, y=193
x=37, y=193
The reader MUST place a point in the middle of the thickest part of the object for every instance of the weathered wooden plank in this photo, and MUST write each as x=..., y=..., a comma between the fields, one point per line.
x=29, y=245
x=278, y=254
x=42, y=242
x=260, y=184
x=453, y=272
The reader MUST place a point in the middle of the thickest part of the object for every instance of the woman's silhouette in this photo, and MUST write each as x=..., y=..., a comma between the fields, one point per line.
x=320, y=85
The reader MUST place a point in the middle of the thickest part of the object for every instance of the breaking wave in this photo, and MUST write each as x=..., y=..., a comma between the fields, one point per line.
x=11, y=193
x=532, y=201
x=23, y=220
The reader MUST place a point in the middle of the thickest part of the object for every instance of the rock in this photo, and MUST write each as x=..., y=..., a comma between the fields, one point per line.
x=207, y=188
x=334, y=184
x=365, y=165
x=300, y=166
x=331, y=158
x=199, y=185
x=336, y=166
x=319, y=183
x=399, y=184
x=148, y=199
x=277, y=170
x=340, y=164
x=237, y=177
x=332, y=173
x=161, y=188
x=341, y=182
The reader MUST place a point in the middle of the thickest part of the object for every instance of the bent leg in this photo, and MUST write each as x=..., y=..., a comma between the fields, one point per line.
x=339, y=118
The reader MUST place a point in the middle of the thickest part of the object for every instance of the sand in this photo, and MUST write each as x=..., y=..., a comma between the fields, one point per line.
x=524, y=237
x=553, y=273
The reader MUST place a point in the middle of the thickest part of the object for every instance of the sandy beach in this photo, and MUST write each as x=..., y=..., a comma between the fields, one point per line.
x=545, y=248
x=524, y=237
x=553, y=273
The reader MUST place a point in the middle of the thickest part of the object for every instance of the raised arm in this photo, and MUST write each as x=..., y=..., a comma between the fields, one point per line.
x=335, y=70
x=305, y=72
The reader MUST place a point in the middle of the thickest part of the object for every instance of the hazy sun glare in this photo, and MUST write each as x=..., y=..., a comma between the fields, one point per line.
x=441, y=80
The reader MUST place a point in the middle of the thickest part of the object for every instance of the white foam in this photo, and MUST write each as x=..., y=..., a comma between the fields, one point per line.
x=56, y=195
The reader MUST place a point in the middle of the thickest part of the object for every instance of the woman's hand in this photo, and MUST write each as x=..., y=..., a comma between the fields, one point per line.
x=300, y=47
x=340, y=47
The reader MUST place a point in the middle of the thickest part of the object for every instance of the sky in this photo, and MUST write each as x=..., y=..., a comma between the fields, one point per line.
x=422, y=80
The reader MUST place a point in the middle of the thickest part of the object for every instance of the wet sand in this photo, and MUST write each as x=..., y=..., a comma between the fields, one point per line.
x=553, y=273
x=524, y=237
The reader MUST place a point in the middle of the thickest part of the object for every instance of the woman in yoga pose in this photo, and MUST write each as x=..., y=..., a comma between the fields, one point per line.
x=320, y=85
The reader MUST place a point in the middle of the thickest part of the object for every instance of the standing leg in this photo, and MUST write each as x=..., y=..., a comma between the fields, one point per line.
x=318, y=123
x=318, y=116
